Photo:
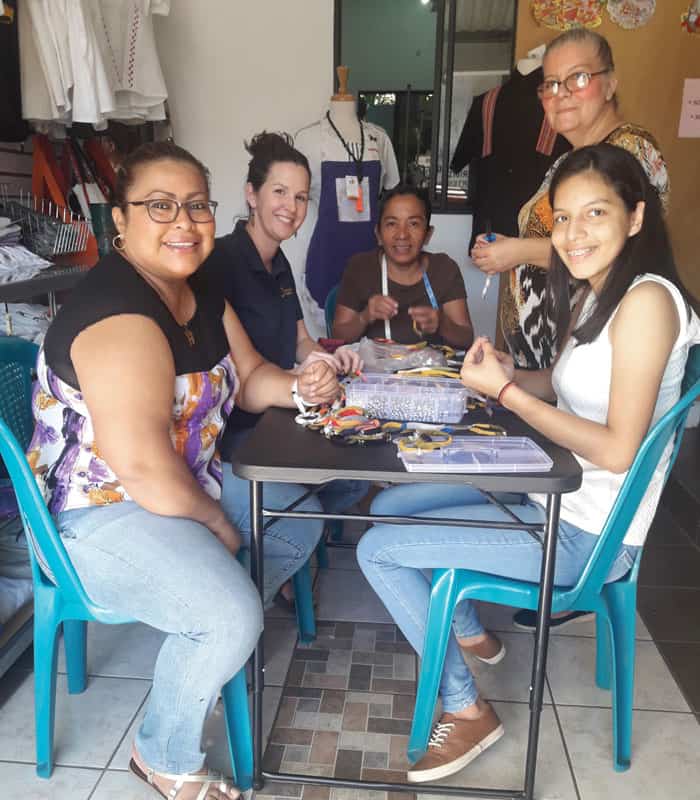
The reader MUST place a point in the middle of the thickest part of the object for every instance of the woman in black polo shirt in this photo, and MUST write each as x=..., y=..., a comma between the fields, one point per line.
x=257, y=281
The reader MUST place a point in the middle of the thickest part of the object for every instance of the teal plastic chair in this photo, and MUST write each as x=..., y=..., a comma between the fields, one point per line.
x=329, y=310
x=614, y=603
x=59, y=597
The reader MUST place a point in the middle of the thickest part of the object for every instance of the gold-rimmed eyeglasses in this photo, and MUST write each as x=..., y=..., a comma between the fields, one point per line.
x=576, y=82
x=165, y=210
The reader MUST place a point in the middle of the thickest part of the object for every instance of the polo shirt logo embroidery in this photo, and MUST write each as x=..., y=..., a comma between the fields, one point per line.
x=287, y=291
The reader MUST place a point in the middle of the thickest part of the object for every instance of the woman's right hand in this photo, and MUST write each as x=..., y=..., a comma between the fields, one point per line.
x=500, y=255
x=381, y=306
x=226, y=533
x=317, y=382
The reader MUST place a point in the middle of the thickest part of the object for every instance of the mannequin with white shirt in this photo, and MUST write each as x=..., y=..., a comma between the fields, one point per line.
x=351, y=162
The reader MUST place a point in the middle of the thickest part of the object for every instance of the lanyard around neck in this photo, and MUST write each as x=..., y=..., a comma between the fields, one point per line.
x=348, y=149
x=385, y=291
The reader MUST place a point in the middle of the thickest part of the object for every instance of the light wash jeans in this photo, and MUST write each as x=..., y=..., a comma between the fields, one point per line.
x=174, y=575
x=395, y=559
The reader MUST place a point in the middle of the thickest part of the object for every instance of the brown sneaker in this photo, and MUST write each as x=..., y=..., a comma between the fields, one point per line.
x=491, y=651
x=454, y=743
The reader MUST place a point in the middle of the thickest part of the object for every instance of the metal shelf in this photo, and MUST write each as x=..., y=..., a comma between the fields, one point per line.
x=50, y=280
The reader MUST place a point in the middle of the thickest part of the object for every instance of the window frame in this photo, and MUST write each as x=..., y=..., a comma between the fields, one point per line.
x=444, y=62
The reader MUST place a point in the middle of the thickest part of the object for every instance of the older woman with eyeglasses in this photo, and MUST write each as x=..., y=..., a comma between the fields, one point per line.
x=578, y=96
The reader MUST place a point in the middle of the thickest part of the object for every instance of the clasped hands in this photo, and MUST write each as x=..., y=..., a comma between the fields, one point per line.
x=485, y=369
x=382, y=307
x=317, y=375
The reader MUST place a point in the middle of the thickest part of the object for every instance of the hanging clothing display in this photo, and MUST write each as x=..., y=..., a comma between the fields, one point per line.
x=506, y=168
x=346, y=180
x=91, y=61
x=12, y=127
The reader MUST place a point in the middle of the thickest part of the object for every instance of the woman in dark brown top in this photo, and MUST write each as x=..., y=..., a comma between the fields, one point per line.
x=399, y=291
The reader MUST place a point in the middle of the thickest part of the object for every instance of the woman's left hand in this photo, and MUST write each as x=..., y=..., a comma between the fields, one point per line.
x=425, y=318
x=317, y=382
x=485, y=369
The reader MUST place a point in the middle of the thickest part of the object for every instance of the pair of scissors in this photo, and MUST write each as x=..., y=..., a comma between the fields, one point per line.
x=489, y=237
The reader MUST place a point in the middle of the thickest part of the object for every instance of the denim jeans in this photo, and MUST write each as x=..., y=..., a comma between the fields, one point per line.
x=174, y=575
x=395, y=559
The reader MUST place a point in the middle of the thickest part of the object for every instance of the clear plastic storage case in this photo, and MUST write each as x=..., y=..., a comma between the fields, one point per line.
x=408, y=399
x=480, y=454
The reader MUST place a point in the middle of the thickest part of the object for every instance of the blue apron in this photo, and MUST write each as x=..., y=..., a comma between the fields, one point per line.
x=333, y=240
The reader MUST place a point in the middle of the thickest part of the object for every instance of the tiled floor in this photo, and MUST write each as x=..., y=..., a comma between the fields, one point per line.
x=342, y=704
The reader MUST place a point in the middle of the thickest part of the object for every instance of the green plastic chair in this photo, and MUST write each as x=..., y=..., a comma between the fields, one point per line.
x=614, y=603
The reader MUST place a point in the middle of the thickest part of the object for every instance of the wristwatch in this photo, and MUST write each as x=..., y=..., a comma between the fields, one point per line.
x=299, y=401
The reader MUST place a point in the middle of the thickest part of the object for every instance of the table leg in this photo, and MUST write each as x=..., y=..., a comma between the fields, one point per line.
x=257, y=574
x=539, y=661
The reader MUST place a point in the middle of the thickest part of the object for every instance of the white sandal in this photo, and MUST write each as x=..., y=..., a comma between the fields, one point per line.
x=208, y=780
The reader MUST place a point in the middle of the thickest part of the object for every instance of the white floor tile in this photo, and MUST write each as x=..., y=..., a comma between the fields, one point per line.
x=503, y=764
x=88, y=725
x=500, y=618
x=120, y=651
x=280, y=640
x=20, y=781
x=342, y=558
x=571, y=672
x=665, y=755
x=346, y=595
x=121, y=785
x=121, y=758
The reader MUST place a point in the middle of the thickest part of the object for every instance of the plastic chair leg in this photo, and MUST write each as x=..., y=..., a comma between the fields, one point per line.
x=603, y=653
x=335, y=528
x=622, y=603
x=75, y=644
x=238, y=729
x=437, y=632
x=45, y=652
x=322, y=554
x=303, y=600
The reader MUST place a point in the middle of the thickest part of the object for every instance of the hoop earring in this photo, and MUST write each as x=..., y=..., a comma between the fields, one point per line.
x=118, y=242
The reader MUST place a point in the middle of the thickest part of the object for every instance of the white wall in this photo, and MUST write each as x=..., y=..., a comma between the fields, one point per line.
x=234, y=68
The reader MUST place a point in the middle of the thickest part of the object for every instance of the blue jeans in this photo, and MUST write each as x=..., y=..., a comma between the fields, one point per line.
x=394, y=560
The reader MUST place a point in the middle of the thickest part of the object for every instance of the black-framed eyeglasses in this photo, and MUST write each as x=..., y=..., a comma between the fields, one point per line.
x=575, y=82
x=165, y=210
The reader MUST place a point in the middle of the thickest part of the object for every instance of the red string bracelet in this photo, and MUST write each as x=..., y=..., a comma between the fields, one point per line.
x=503, y=389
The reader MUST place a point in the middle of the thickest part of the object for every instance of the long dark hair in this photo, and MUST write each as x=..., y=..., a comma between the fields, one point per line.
x=648, y=251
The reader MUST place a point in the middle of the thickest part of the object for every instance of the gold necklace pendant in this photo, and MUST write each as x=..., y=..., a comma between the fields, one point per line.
x=188, y=334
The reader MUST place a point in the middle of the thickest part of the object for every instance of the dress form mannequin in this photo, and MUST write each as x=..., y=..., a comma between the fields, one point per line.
x=338, y=148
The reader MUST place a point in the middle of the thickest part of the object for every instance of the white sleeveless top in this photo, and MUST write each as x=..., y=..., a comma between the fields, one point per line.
x=581, y=381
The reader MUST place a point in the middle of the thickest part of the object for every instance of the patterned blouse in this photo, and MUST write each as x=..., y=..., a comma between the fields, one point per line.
x=526, y=327
x=63, y=452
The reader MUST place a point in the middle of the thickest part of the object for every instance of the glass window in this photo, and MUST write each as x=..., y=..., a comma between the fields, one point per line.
x=415, y=66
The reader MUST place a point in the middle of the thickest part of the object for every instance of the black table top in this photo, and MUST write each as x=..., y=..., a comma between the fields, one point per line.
x=282, y=451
